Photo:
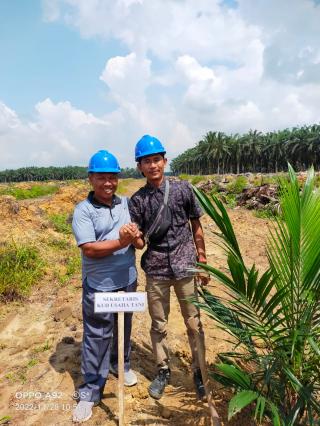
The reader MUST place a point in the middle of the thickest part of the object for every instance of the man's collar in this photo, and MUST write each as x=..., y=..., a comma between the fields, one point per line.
x=152, y=188
x=115, y=200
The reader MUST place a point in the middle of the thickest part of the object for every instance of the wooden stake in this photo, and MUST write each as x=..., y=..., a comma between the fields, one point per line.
x=202, y=361
x=121, y=367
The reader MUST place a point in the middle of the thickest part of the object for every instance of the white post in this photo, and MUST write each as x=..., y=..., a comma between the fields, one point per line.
x=121, y=367
x=120, y=302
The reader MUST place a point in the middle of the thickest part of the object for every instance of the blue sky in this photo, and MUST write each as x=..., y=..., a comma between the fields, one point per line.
x=81, y=75
x=49, y=60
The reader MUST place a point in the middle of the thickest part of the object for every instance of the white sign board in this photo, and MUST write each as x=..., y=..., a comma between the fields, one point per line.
x=120, y=302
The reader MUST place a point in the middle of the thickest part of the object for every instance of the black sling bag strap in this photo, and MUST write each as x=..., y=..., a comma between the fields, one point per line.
x=162, y=222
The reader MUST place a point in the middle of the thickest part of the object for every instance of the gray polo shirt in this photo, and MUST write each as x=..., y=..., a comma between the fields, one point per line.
x=93, y=221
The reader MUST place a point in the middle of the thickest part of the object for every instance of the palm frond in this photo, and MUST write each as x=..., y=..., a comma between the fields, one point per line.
x=274, y=318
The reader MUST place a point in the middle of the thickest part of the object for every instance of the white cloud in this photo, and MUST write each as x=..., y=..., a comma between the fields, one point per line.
x=59, y=135
x=127, y=78
x=165, y=28
x=51, y=10
x=8, y=119
x=190, y=67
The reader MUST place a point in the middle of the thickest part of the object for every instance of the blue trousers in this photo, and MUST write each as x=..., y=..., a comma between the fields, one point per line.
x=100, y=344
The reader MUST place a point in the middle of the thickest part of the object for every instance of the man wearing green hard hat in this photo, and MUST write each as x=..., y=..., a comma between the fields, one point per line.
x=167, y=213
x=100, y=224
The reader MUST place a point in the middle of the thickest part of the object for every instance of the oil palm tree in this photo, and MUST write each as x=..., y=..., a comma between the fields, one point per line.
x=273, y=318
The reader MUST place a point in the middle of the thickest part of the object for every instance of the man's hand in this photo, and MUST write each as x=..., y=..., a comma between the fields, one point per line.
x=128, y=233
x=202, y=280
x=202, y=277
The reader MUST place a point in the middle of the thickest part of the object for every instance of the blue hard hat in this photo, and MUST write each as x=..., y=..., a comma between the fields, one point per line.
x=103, y=162
x=148, y=145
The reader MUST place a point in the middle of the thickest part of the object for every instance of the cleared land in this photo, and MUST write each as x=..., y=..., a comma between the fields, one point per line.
x=40, y=335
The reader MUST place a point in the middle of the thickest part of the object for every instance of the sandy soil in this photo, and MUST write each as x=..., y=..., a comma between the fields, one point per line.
x=40, y=337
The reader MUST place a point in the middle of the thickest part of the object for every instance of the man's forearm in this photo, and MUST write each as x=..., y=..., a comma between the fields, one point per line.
x=138, y=243
x=98, y=249
x=198, y=238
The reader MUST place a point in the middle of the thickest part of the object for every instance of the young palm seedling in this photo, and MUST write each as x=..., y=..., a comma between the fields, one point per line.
x=273, y=318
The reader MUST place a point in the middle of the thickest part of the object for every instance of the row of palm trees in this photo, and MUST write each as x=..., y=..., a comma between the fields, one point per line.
x=252, y=152
x=27, y=174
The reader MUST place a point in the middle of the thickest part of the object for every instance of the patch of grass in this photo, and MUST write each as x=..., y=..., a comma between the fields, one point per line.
x=72, y=266
x=269, y=212
x=58, y=244
x=20, y=267
x=34, y=191
x=238, y=185
x=61, y=222
x=32, y=362
x=45, y=347
x=263, y=214
x=20, y=374
x=196, y=179
x=183, y=176
x=5, y=420
x=271, y=180
x=12, y=377
x=122, y=186
x=17, y=376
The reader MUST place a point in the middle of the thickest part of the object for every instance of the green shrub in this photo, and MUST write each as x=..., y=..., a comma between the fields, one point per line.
x=20, y=268
x=196, y=179
x=238, y=185
x=257, y=181
x=34, y=192
x=266, y=213
x=60, y=222
x=270, y=180
x=183, y=176
x=229, y=199
x=317, y=180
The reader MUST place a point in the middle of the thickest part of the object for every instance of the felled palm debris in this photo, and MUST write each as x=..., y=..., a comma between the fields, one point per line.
x=258, y=197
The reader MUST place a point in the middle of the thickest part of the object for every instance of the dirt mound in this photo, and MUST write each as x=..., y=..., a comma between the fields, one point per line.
x=66, y=198
x=9, y=206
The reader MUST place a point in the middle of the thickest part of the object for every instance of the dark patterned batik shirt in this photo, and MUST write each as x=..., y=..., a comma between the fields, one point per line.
x=175, y=253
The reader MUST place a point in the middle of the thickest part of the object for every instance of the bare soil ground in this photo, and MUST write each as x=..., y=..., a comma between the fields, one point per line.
x=40, y=337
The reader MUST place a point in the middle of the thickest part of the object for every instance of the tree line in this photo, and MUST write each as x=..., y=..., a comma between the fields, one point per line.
x=40, y=174
x=252, y=152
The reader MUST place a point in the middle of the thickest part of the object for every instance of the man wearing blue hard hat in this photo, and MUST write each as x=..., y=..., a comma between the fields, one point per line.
x=101, y=225
x=167, y=213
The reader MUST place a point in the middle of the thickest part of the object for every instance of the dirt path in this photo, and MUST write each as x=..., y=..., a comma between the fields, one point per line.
x=40, y=351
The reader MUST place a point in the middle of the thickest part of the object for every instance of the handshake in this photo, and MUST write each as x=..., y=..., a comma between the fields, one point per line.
x=129, y=233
